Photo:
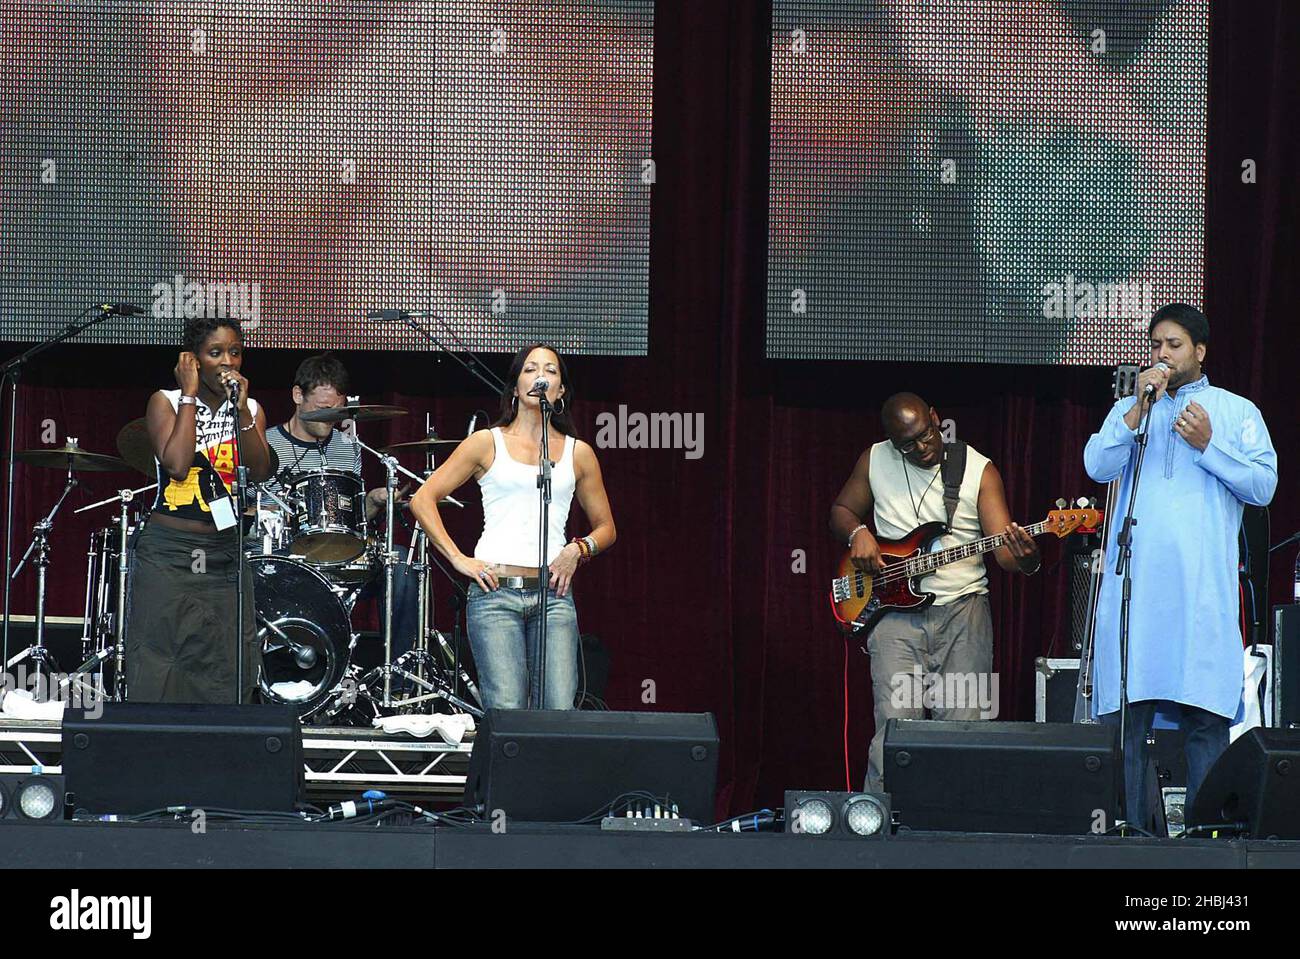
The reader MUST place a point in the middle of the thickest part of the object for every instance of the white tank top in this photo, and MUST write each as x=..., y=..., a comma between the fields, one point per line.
x=895, y=517
x=511, y=506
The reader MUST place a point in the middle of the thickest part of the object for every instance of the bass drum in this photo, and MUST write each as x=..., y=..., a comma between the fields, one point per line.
x=304, y=633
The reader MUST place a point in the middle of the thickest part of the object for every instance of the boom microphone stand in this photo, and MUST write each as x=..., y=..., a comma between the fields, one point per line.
x=1123, y=569
x=10, y=372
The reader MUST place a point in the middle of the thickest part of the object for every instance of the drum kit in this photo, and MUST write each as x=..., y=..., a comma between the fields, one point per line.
x=313, y=555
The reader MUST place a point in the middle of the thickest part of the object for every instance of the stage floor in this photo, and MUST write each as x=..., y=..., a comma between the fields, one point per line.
x=76, y=845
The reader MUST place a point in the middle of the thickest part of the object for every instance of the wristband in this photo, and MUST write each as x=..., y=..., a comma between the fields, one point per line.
x=184, y=400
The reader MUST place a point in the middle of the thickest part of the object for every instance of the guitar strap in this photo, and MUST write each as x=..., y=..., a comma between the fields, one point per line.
x=952, y=471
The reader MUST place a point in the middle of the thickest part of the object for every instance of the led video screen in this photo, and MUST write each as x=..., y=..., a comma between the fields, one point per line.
x=975, y=181
x=301, y=164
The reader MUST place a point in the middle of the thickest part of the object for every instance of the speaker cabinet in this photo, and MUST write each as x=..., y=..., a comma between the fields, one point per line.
x=142, y=756
x=1058, y=778
x=1256, y=782
x=563, y=765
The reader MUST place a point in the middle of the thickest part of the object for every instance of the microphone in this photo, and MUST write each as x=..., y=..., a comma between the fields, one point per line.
x=122, y=309
x=232, y=390
x=1151, y=387
x=387, y=316
x=540, y=386
x=304, y=656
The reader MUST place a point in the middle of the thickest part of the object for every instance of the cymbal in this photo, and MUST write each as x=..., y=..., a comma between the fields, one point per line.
x=432, y=440
x=63, y=457
x=134, y=445
x=362, y=413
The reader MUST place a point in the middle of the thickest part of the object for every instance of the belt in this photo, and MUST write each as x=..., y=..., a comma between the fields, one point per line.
x=518, y=582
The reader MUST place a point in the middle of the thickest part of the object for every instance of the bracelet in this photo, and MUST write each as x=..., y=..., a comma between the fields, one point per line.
x=245, y=429
x=1031, y=572
x=184, y=400
x=857, y=529
x=592, y=548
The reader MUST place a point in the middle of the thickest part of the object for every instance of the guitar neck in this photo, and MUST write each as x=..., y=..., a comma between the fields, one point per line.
x=929, y=562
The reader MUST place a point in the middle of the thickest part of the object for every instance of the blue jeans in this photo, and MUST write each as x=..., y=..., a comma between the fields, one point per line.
x=1206, y=737
x=503, y=636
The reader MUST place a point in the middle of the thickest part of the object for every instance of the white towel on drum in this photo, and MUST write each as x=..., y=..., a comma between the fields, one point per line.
x=20, y=704
x=452, y=729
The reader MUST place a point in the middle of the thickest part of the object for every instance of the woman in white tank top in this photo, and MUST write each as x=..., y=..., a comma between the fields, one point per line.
x=503, y=609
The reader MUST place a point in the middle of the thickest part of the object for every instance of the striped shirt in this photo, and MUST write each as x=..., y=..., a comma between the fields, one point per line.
x=338, y=451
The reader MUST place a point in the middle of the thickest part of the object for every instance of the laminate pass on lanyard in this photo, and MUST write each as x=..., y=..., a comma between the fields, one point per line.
x=221, y=503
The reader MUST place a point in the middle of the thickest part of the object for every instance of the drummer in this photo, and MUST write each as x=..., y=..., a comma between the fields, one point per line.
x=321, y=383
x=302, y=446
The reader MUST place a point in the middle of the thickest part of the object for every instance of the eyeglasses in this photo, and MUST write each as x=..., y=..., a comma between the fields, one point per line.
x=909, y=448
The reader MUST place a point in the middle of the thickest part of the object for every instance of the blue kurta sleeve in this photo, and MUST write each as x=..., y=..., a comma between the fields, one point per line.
x=1241, y=457
x=1108, y=449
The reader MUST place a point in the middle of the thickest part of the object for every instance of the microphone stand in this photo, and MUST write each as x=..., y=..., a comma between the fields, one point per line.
x=470, y=365
x=11, y=372
x=241, y=485
x=1123, y=569
x=543, y=570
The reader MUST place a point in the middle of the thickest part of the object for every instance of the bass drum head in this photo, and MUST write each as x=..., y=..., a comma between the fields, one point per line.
x=303, y=632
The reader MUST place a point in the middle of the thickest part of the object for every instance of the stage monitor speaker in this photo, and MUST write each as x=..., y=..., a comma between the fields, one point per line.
x=1057, y=778
x=142, y=756
x=562, y=765
x=1286, y=666
x=1256, y=782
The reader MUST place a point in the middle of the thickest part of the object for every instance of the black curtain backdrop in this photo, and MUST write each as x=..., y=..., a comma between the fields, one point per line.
x=701, y=603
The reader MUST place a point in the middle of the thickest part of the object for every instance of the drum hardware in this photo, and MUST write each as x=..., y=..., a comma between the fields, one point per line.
x=329, y=528
x=104, y=637
x=304, y=632
x=357, y=412
x=428, y=443
x=71, y=456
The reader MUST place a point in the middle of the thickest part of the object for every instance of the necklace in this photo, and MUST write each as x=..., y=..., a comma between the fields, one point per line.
x=916, y=507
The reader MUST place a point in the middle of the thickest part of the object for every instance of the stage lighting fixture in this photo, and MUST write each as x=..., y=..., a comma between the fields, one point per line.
x=838, y=813
x=37, y=797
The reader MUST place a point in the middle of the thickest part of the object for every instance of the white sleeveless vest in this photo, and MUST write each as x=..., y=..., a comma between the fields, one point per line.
x=511, y=507
x=895, y=517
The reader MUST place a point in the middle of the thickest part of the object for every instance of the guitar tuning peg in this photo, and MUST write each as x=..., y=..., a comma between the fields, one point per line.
x=1082, y=502
x=1092, y=502
x=1061, y=504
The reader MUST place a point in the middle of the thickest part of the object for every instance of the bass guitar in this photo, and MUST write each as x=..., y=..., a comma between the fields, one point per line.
x=859, y=599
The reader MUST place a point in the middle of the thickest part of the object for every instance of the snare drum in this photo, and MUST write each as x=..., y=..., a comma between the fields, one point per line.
x=330, y=523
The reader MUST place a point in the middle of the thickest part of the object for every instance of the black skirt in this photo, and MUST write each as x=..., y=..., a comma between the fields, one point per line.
x=180, y=627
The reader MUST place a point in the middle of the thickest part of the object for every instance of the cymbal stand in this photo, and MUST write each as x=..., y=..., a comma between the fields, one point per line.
x=41, y=544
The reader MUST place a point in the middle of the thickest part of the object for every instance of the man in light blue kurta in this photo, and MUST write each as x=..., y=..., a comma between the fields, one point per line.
x=1208, y=452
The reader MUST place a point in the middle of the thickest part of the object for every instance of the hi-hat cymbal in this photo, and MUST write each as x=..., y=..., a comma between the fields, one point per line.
x=134, y=445
x=71, y=456
x=430, y=441
x=362, y=414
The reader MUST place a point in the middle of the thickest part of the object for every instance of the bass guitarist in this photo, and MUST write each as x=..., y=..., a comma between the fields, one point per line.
x=912, y=478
